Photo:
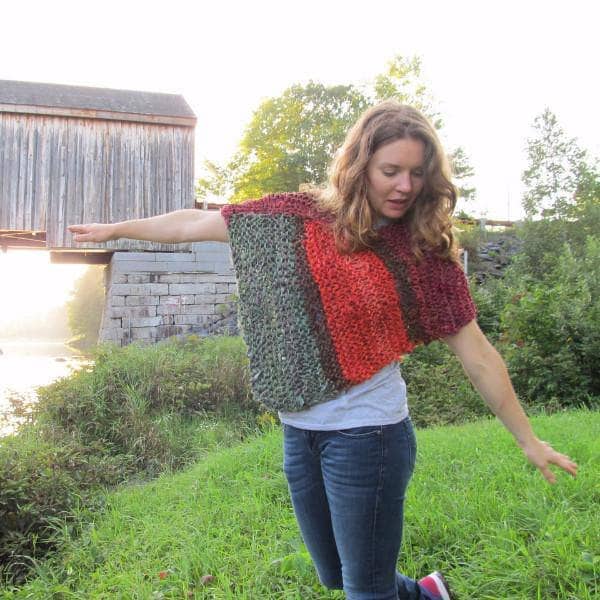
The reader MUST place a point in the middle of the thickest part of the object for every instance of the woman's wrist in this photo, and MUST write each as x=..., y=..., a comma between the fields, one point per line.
x=527, y=440
x=117, y=230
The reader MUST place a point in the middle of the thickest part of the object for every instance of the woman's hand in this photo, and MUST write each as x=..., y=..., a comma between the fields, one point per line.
x=93, y=232
x=488, y=373
x=542, y=455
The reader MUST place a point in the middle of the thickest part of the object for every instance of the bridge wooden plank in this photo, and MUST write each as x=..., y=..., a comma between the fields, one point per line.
x=56, y=171
x=4, y=124
x=21, y=175
x=44, y=170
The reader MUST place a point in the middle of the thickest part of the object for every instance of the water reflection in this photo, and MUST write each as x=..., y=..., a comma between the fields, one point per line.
x=25, y=365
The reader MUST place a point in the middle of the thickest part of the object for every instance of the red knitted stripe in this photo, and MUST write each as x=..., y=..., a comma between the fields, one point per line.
x=360, y=303
x=298, y=205
x=443, y=303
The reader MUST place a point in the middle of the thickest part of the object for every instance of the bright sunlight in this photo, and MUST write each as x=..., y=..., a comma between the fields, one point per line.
x=31, y=284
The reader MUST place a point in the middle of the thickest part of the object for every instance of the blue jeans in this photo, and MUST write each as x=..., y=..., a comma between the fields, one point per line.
x=347, y=489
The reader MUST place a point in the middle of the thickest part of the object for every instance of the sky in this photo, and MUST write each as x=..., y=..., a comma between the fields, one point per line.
x=491, y=66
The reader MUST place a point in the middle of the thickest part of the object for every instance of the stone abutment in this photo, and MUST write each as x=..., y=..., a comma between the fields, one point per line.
x=151, y=296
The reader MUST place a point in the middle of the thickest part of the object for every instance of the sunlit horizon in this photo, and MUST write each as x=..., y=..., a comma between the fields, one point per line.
x=32, y=285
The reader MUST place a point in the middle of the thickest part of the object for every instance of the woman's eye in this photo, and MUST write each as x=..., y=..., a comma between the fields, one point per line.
x=389, y=173
x=418, y=174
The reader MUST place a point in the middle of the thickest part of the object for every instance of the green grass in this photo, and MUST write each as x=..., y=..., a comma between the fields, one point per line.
x=475, y=509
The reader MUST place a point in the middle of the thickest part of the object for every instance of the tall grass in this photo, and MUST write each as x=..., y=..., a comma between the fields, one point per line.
x=475, y=509
x=137, y=413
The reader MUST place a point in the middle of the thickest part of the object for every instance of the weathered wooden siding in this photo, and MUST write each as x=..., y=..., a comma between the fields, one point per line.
x=57, y=171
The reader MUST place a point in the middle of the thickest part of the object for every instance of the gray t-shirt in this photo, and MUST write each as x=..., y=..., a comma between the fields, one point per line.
x=381, y=400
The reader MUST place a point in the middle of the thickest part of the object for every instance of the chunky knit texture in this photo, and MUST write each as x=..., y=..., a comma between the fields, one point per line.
x=316, y=321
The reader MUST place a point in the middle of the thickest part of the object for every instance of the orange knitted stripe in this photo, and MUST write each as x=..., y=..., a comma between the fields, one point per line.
x=360, y=303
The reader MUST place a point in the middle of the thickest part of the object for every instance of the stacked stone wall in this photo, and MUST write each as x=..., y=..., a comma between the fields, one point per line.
x=154, y=295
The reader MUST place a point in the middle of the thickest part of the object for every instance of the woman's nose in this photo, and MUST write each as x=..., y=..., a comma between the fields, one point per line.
x=404, y=183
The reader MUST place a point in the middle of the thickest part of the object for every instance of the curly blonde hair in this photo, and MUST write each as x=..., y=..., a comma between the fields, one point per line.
x=345, y=197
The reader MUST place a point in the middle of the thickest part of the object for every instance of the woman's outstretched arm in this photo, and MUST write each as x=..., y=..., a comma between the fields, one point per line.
x=187, y=225
x=487, y=371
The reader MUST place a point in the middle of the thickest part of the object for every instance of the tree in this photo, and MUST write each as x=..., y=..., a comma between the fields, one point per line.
x=84, y=309
x=463, y=173
x=402, y=81
x=292, y=138
x=556, y=172
x=216, y=181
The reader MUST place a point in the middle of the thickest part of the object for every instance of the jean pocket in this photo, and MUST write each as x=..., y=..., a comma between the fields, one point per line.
x=360, y=432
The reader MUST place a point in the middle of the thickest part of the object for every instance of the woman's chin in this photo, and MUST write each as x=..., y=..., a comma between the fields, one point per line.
x=394, y=212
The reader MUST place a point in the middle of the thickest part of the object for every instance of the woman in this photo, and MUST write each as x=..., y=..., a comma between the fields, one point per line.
x=335, y=286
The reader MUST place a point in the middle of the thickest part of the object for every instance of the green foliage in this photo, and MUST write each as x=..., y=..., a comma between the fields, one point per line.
x=138, y=412
x=215, y=181
x=543, y=240
x=292, y=138
x=402, y=81
x=463, y=173
x=552, y=331
x=490, y=299
x=557, y=168
x=470, y=237
x=84, y=309
x=439, y=392
x=42, y=479
x=135, y=398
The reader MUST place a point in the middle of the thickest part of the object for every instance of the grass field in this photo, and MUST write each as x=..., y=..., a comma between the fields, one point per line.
x=475, y=509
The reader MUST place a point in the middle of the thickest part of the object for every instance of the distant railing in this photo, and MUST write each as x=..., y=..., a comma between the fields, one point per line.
x=483, y=223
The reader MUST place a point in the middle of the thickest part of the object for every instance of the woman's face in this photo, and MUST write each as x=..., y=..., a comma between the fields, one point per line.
x=395, y=177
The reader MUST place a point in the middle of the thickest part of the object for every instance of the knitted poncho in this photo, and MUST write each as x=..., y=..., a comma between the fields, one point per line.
x=316, y=321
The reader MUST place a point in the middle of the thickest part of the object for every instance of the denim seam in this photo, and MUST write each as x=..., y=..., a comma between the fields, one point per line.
x=410, y=439
x=408, y=442
x=382, y=454
x=310, y=438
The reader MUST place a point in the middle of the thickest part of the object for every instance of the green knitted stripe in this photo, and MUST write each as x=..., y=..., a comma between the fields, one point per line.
x=272, y=311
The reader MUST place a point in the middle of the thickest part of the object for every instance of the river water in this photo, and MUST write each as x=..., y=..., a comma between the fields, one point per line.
x=25, y=365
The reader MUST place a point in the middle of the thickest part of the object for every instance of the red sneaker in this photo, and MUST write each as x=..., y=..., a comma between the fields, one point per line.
x=436, y=585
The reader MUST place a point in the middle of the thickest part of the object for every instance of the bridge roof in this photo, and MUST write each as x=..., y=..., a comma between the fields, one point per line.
x=94, y=103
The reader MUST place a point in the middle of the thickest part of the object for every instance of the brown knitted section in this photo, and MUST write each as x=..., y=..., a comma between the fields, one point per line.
x=396, y=254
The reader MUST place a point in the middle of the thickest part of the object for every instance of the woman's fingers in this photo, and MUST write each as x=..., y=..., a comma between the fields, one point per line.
x=77, y=228
x=88, y=233
x=565, y=463
x=542, y=455
x=548, y=474
x=546, y=456
x=80, y=232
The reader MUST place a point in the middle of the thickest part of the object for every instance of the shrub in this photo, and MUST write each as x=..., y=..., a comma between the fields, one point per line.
x=490, y=298
x=137, y=399
x=439, y=391
x=137, y=412
x=542, y=241
x=552, y=331
x=84, y=309
x=41, y=481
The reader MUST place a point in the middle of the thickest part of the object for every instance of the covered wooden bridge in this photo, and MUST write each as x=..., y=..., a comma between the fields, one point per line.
x=78, y=155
